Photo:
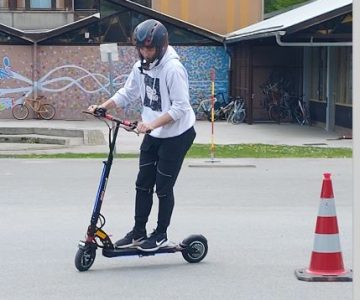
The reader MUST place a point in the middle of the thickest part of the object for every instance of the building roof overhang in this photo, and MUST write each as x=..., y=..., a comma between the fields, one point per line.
x=14, y=32
x=300, y=23
x=40, y=35
x=35, y=36
x=169, y=19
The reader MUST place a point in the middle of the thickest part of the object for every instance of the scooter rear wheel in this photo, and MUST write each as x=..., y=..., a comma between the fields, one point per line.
x=195, y=248
x=84, y=258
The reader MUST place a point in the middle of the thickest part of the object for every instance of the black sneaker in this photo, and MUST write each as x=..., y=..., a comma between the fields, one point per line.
x=154, y=242
x=132, y=239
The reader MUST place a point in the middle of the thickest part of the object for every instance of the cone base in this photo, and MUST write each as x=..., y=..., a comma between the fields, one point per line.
x=304, y=275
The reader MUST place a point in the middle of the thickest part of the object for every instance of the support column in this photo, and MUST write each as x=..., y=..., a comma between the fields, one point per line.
x=306, y=74
x=330, y=99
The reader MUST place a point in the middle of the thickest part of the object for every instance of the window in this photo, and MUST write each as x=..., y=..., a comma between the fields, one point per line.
x=40, y=4
x=341, y=62
x=86, y=4
x=343, y=75
x=36, y=4
x=318, y=74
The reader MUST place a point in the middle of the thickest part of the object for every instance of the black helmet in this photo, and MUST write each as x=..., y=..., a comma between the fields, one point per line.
x=151, y=33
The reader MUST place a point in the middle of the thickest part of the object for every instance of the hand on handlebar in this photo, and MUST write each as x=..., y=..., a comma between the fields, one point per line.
x=137, y=127
x=97, y=110
x=144, y=127
x=92, y=108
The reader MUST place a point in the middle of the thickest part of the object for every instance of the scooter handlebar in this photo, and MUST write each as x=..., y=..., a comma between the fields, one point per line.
x=128, y=125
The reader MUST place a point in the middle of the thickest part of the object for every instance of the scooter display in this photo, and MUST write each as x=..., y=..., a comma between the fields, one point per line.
x=193, y=248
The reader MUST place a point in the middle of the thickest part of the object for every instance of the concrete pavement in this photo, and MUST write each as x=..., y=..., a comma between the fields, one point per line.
x=259, y=223
x=224, y=133
x=269, y=211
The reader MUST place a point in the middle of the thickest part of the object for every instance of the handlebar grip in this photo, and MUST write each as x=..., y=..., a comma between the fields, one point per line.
x=100, y=112
x=129, y=123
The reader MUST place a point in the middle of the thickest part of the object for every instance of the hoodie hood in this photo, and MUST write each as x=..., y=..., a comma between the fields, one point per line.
x=169, y=54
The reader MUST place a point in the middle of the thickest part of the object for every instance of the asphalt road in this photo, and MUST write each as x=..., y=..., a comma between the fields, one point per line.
x=259, y=223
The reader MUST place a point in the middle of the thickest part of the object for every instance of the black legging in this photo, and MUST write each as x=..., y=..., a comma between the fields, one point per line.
x=159, y=165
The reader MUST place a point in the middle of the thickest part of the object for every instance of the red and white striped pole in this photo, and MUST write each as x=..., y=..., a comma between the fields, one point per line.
x=326, y=262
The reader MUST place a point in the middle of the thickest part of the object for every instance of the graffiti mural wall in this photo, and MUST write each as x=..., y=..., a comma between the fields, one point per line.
x=15, y=75
x=73, y=77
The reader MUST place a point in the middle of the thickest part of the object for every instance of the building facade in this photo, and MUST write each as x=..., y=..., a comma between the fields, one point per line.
x=308, y=49
x=218, y=16
x=66, y=66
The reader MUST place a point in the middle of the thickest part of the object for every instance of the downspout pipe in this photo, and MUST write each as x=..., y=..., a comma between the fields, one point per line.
x=279, y=34
x=229, y=52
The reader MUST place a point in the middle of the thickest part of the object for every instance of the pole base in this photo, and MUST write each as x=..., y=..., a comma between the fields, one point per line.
x=305, y=275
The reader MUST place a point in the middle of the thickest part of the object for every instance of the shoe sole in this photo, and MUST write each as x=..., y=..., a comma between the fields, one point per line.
x=154, y=249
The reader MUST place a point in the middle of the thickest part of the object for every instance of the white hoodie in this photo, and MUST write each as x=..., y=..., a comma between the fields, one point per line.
x=162, y=89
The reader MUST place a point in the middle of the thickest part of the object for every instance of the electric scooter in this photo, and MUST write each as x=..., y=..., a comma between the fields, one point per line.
x=193, y=248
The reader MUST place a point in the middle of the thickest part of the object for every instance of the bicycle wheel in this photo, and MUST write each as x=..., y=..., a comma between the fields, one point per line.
x=47, y=111
x=20, y=111
x=299, y=116
x=202, y=109
x=216, y=115
x=277, y=113
x=231, y=113
x=238, y=117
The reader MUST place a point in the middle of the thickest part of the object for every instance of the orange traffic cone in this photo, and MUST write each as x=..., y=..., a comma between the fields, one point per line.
x=326, y=262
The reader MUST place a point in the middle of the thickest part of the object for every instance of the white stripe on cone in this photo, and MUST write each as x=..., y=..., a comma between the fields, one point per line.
x=327, y=208
x=327, y=243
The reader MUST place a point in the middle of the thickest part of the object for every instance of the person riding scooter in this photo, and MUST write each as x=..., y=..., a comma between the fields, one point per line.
x=161, y=82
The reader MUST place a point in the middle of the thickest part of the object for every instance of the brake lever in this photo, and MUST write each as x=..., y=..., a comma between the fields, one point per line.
x=133, y=127
x=130, y=129
x=134, y=130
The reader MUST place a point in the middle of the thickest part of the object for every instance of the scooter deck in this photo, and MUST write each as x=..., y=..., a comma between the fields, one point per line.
x=114, y=252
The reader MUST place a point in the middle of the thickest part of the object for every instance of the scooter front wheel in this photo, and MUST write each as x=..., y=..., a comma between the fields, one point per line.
x=195, y=248
x=85, y=257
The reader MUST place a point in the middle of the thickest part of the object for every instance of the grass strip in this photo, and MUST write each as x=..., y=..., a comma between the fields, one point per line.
x=221, y=151
x=268, y=151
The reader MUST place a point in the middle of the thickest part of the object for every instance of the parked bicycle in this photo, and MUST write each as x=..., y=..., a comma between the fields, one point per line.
x=222, y=110
x=232, y=110
x=290, y=108
x=238, y=112
x=302, y=112
x=272, y=94
x=203, y=109
x=282, y=109
x=281, y=106
x=43, y=110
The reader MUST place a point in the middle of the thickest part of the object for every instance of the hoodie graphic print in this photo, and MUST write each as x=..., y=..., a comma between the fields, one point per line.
x=152, y=93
